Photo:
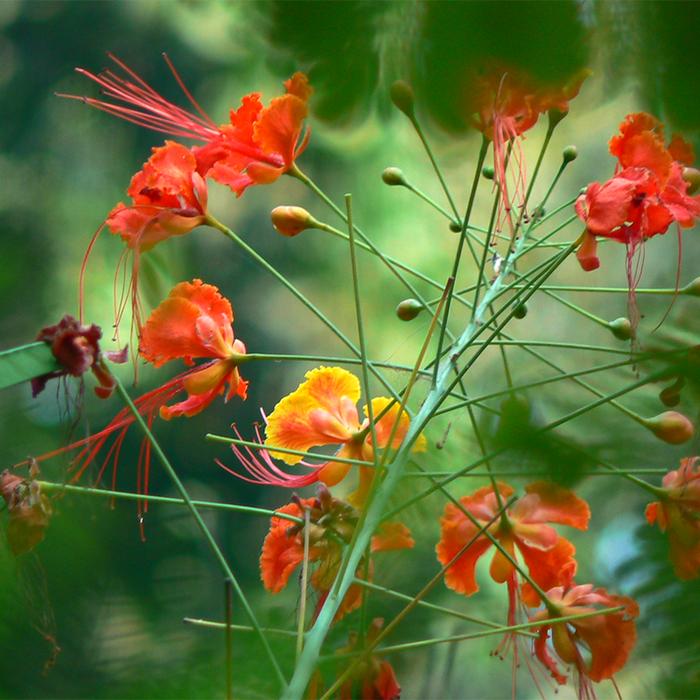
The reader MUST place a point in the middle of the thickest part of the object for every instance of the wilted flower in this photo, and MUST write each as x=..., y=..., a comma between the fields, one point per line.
x=331, y=525
x=76, y=348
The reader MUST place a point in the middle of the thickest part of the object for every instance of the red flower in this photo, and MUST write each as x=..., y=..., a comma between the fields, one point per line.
x=332, y=523
x=257, y=146
x=170, y=198
x=523, y=527
x=195, y=321
x=678, y=511
x=609, y=638
x=646, y=195
x=373, y=679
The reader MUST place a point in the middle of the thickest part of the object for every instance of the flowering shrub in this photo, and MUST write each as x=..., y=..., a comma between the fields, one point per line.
x=368, y=466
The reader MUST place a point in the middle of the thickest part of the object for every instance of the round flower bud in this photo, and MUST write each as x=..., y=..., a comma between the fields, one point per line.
x=455, y=226
x=692, y=177
x=408, y=309
x=403, y=97
x=394, y=176
x=671, y=395
x=487, y=172
x=621, y=328
x=290, y=221
x=570, y=153
x=671, y=427
x=520, y=309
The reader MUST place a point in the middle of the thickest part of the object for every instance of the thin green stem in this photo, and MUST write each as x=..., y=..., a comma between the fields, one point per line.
x=228, y=574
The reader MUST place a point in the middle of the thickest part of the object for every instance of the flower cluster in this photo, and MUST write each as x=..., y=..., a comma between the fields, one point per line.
x=523, y=530
x=646, y=195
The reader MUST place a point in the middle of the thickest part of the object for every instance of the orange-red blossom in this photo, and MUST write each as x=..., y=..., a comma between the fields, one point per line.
x=609, y=638
x=525, y=528
x=195, y=321
x=678, y=513
x=256, y=147
x=331, y=524
x=646, y=195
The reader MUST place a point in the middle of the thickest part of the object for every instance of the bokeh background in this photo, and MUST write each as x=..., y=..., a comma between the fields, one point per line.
x=117, y=601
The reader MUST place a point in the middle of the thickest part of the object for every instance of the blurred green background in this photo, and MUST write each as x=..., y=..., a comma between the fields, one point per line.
x=119, y=602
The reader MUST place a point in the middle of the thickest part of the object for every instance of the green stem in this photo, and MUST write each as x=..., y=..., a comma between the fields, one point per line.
x=228, y=574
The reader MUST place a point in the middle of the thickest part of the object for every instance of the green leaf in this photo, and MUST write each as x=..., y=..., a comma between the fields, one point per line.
x=26, y=362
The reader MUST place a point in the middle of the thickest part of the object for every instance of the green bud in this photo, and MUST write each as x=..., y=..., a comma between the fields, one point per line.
x=403, y=97
x=408, y=309
x=671, y=395
x=455, y=226
x=621, y=328
x=692, y=289
x=692, y=177
x=520, y=309
x=394, y=176
x=570, y=153
x=488, y=172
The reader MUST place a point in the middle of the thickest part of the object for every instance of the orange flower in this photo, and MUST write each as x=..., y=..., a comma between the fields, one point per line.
x=170, y=199
x=331, y=524
x=257, y=146
x=678, y=511
x=523, y=527
x=195, y=321
x=609, y=638
x=373, y=679
x=323, y=411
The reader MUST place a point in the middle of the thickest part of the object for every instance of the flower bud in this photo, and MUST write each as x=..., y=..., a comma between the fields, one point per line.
x=570, y=153
x=394, y=176
x=671, y=427
x=408, y=309
x=692, y=177
x=621, y=328
x=671, y=395
x=520, y=309
x=487, y=172
x=290, y=221
x=456, y=226
x=403, y=97
x=555, y=116
x=692, y=289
